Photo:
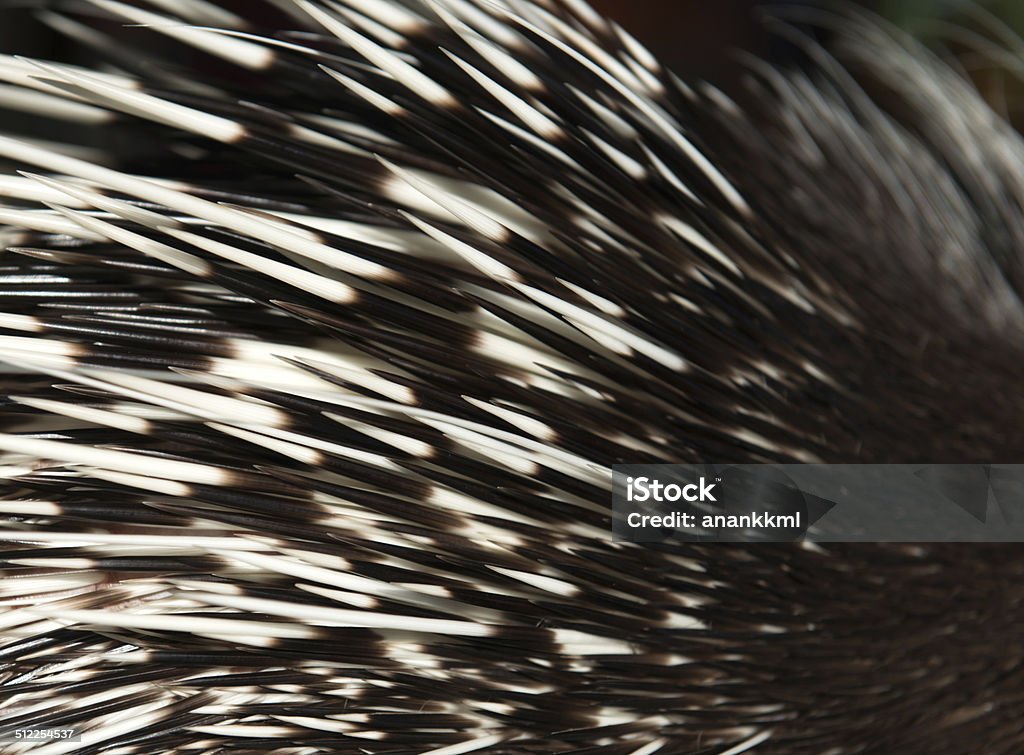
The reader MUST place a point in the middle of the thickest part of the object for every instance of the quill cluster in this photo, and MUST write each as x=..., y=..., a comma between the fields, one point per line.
x=318, y=352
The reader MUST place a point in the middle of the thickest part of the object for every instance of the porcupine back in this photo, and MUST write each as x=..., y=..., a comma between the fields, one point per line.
x=319, y=358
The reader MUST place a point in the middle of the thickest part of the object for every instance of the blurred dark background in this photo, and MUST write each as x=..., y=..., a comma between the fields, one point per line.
x=696, y=37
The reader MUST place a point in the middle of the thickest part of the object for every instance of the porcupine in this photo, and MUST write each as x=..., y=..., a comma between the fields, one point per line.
x=317, y=364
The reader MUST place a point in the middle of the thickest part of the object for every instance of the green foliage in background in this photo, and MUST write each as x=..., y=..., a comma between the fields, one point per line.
x=909, y=13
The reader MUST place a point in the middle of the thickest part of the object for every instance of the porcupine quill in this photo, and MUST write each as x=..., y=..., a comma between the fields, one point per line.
x=315, y=372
